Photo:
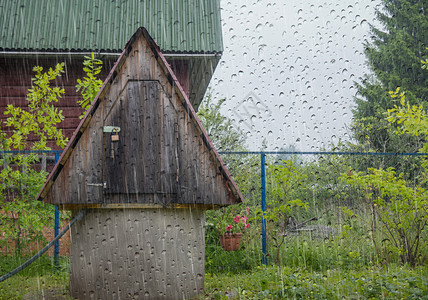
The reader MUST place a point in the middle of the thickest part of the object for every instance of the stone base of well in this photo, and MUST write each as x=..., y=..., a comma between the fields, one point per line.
x=138, y=254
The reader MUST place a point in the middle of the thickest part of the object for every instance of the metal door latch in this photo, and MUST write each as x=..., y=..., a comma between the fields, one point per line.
x=103, y=185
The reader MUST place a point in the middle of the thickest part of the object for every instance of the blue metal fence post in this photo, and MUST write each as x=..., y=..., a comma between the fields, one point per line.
x=56, y=247
x=263, y=182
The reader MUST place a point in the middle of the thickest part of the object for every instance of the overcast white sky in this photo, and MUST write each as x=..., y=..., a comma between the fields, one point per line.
x=288, y=70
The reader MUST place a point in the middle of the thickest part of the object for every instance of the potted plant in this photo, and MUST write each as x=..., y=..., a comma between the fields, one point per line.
x=231, y=227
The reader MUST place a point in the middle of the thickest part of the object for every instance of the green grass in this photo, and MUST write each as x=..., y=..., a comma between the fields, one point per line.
x=342, y=267
x=260, y=282
x=34, y=281
x=274, y=282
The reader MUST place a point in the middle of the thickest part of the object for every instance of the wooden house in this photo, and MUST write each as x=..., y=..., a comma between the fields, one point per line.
x=142, y=165
x=43, y=33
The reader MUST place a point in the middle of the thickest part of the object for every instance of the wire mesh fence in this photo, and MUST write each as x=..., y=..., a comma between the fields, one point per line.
x=319, y=209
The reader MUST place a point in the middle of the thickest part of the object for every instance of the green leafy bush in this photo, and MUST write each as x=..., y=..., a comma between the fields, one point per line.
x=399, y=211
x=90, y=85
x=23, y=217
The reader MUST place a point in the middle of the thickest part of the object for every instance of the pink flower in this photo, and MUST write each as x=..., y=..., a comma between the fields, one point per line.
x=236, y=219
x=248, y=210
x=244, y=219
x=247, y=225
x=229, y=227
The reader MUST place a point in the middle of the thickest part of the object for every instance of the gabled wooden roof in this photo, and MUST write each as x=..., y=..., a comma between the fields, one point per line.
x=80, y=157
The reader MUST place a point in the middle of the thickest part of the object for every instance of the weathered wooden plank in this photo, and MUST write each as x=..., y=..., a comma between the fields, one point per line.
x=206, y=176
x=169, y=156
x=136, y=159
x=138, y=206
x=151, y=136
x=112, y=160
x=64, y=102
x=80, y=180
x=68, y=113
x=51, y=144
x=22, y=90
x=180, y=68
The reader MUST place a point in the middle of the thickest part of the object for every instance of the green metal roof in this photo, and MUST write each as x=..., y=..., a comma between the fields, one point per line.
x=178, y=26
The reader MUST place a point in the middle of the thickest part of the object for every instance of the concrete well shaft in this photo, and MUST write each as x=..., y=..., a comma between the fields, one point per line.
x=138, y=254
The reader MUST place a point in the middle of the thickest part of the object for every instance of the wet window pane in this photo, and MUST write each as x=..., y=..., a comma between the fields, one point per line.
x=288, y=69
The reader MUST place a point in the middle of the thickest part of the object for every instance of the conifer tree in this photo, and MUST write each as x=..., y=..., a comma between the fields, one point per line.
x=394, y=56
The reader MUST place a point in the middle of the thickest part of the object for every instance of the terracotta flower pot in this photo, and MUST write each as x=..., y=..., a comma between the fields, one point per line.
x=230, y=241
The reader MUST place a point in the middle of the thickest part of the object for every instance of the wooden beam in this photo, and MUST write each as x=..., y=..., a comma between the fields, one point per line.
x=139, y=206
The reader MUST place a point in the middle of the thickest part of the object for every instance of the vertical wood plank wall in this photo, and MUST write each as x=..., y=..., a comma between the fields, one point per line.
x=160, y=157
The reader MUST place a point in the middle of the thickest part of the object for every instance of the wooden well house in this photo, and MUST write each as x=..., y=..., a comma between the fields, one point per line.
x=145, y=170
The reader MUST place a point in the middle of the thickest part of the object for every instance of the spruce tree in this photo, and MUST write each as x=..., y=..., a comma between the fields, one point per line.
x=394, y=57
